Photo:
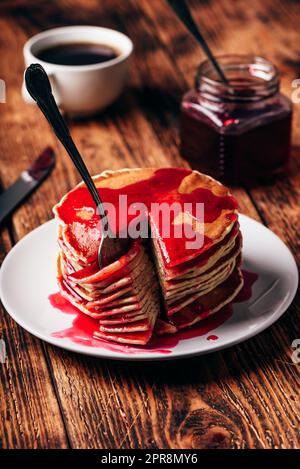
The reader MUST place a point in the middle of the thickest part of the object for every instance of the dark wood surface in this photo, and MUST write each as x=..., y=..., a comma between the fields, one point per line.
x=244, y=397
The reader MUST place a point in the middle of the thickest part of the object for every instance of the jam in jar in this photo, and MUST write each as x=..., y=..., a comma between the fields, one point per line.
x=237, y=132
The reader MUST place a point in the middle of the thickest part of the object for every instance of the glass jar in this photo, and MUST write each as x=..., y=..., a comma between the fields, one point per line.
x=240, y=132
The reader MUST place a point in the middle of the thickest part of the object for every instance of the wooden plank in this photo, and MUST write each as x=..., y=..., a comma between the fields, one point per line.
x=215, y=18
x=151, y=149
x=243, y=397
x=279, y=203
x=104, y=397
x=28, y=404
x=155, y=430
x=164, y=77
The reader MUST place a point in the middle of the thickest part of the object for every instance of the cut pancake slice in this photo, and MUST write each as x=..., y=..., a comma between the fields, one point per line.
x=130, y=309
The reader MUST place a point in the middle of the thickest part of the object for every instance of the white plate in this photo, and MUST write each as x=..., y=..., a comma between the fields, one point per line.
x=27, y=278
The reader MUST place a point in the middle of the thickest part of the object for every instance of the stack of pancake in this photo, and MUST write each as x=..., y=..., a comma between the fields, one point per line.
x=197, y=288
x=124, y=297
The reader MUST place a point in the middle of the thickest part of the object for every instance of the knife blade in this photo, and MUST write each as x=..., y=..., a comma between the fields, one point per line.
x=28, y=181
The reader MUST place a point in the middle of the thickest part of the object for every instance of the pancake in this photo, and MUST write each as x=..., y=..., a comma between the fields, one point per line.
x=193, y=280
x=209, y=304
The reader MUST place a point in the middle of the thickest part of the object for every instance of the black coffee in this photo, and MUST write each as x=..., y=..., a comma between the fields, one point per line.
x=77, y=54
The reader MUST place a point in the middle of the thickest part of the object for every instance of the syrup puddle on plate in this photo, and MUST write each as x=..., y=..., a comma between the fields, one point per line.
x=83, y=327
x=212, y=337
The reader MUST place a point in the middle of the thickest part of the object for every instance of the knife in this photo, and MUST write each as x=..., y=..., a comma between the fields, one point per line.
x=29, y=180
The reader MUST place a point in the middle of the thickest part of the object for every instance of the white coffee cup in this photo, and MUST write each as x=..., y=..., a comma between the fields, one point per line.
x=82, y=90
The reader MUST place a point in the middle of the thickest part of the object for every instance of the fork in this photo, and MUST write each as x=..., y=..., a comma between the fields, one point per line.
x=39, y=88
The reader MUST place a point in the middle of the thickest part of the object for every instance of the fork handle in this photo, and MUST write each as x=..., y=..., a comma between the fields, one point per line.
x=39, y=88
x=182, y=11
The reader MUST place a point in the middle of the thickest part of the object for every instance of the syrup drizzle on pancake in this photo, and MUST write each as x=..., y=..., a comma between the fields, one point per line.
x=162, y=186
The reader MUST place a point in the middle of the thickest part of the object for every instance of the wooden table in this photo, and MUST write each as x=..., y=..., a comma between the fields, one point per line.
x=244, y=397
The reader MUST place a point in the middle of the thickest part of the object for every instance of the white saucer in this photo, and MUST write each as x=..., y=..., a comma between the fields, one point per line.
x=27, y=278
